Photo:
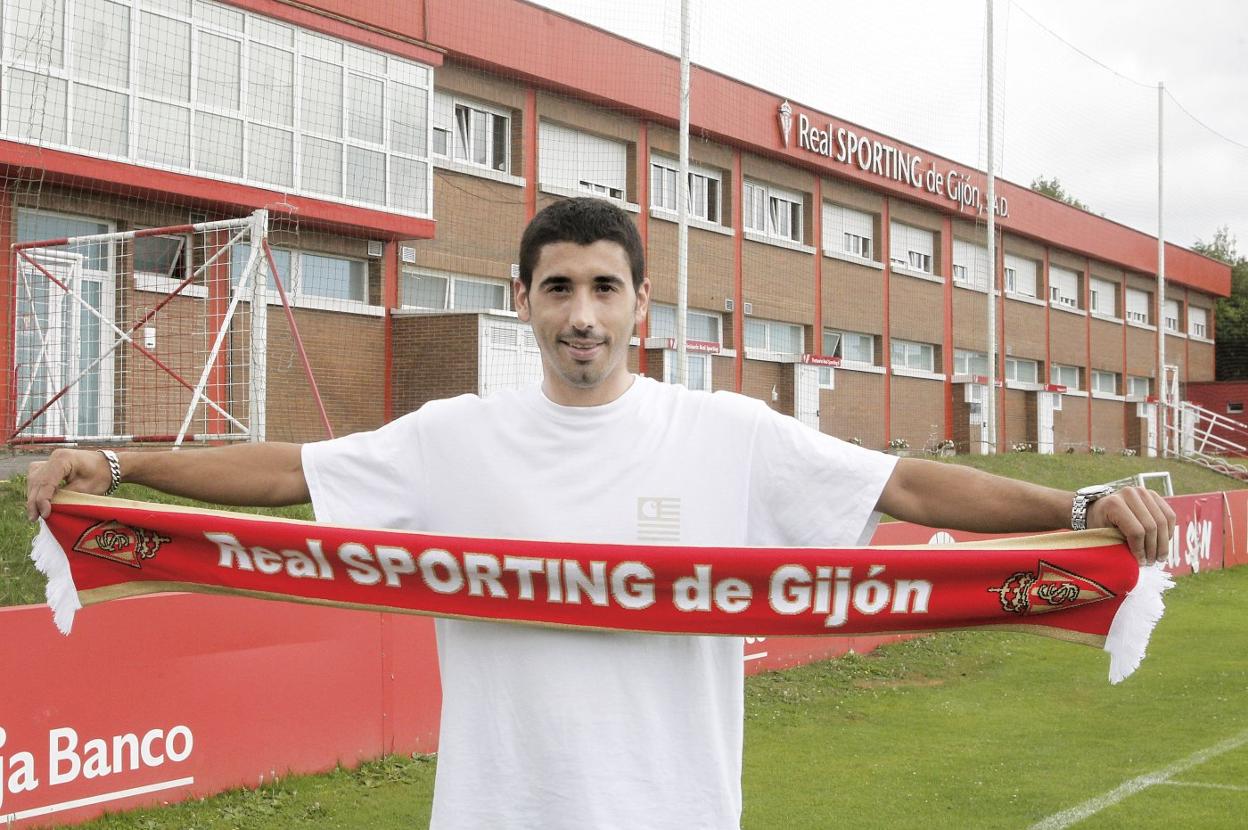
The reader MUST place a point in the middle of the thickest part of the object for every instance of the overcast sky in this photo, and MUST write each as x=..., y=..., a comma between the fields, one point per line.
x=914, y=69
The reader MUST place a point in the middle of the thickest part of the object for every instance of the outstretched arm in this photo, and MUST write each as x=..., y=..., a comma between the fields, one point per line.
x=264, y=474
x=962, y=498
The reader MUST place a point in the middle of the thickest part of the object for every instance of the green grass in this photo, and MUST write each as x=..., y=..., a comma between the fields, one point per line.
x=20, y=584
x=967, y=730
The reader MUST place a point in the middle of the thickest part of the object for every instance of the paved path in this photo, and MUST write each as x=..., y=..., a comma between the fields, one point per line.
x=11, y=464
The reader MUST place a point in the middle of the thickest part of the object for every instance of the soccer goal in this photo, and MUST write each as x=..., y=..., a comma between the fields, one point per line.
x=146, y=336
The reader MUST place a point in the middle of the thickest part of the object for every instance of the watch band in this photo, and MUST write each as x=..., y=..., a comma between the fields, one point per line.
x=1083, y=499
x=114, y=471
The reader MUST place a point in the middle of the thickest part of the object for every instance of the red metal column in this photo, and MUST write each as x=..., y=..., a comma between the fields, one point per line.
x=946, y=268
x=529, y=151
x=738, y=286
x=1087, y=341
x=390, y=301
x=886, y=337
x=643, y=224
x=217, y=280
x=996, y=368
x=816, y=347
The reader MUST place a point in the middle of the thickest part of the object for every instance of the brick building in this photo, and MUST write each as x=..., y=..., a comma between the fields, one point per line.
x=836, y=273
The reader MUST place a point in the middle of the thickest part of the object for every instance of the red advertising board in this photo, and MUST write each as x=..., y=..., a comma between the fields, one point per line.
x=161, y=698
x=1235, y=537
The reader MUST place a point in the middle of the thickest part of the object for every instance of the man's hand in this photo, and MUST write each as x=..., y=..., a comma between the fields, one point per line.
x=83, y=471
x=1141, y=516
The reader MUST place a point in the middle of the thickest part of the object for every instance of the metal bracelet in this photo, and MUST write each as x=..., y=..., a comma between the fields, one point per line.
x=114, y=471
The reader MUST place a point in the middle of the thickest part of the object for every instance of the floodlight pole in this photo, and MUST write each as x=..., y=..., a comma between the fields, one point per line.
x=1163, y=416
x=682, y=207
x=990, y=399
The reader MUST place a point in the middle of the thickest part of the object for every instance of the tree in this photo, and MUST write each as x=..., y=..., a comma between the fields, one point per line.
x=1231, y=312
x=1053, y=188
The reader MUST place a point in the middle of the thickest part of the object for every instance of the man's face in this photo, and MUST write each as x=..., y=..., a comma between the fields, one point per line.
x=583, y=310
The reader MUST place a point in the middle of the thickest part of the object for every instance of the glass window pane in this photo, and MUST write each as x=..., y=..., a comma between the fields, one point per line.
x=218, y=144
x=163, y=133
x=424, y=291
x=366, y=59
x=472, y=295
x=409, y=183
x=500, y=142
x=88, y=387
x=755, y=335
x=703, y=327
x=408, y=119
x=33, y=227
x=321, y=163
x=34, y=33
x=366, y=175
x=34, y=107
x=261, y=28
x=220, y=71
x=219, y=15
x=101, y=42
x=321, y=98
x=158, y=254
x=697, y=366
x=100, y=120
x=162, y=63
x=240, y=255
x=365, y=101
x=334, y=278
x=271, y=85
x=178, y=7
x=270, y=157
x=661, y=321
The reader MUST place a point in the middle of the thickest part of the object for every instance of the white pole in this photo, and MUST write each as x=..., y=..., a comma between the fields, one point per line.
x=1162, y=409
x=682, y=206
x=990, y=400
x=257, y=267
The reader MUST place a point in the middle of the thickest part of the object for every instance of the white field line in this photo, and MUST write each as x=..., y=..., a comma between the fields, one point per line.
x=1092, y=806
x=8, y=818
x=755, y=656
x=1231, y=787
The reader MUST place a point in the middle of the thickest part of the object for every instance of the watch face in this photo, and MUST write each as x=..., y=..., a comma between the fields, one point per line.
x=1094, y=491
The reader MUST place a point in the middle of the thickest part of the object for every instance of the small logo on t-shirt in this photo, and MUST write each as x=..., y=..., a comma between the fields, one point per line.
x=658, y=519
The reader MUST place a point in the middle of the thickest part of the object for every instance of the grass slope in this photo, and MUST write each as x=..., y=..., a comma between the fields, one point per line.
x=951, y=731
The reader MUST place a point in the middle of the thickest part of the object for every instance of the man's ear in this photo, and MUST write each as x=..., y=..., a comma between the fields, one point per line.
x=643, y=300
x=520, y=300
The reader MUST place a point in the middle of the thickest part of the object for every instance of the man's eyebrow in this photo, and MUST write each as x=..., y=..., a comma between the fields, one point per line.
x=609, y=278
x=555, y=279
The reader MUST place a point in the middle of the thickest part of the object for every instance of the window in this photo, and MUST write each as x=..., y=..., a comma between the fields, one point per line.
x=308, y=276
x=699, y=325
x=1063, y=287
x=1138, y=387
x=118, y=80
x=1104, y=296
x=1067, y=376
x=849, y=346
x=164, y=256
x=773, y=212
x=697, y=370
x=1020, y=370
x=472, y=133
x=911, y=248
x=917, y=356
x=1172, y=315
x=970, y=363
x=848, y=231
x=704, y=188
x=1138, y=303
x=1235, y=408
x=441, y=292
x=1197, y=322
x=970, y=264
x=774, y=336
x=572, y=160
x=1105, y=383
x=1020, y=275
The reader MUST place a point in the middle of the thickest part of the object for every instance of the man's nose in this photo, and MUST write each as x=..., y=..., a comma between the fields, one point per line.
x=582, y=316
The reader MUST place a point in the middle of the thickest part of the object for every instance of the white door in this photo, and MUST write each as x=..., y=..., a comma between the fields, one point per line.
x=64, y=377
x=806, y=394
x=1046, y=402
x=1148, y=411
x=507, y=354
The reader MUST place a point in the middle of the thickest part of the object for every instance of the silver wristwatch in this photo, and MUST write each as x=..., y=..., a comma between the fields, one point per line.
x=1084, y=497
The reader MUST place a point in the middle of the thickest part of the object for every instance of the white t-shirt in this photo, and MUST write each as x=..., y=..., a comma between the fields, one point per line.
x=548, y=729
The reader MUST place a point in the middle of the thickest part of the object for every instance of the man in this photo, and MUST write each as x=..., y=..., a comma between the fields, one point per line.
x=573, y=729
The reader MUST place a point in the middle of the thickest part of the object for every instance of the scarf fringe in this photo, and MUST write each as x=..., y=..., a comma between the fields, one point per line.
x=1128, y=635
x=62, y=595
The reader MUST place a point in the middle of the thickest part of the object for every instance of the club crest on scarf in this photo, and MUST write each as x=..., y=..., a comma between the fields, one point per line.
x=1050, y=588
x=119, y=543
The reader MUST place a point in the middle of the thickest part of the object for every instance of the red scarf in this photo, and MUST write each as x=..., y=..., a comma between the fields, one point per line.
x=1082, y=587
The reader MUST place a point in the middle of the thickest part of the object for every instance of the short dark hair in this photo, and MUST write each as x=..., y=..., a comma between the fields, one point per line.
x=584, y=221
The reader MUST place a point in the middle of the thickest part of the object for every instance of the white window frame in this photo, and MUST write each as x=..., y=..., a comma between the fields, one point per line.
x=248, y=31
x=1102, y=378
x=1062, y=375
x=1100, y=289
x=964, y=362
x=912, y=249
x=840, y=336
x=453, y=280
x=693, y=358
x=294, y=285
x=770, y=327
x=447, y=106
x=702, y=204
x=662, y=310
x=774, y=212
x=1062, y=295
x=848, y=231
x=1197, y=322
x=1013, y=364
x=970, y=264
x=1021, y=276
x=580, y=167
x=1133, y=384
x=1172, y=323
x=913, y=352
x=1135, y=298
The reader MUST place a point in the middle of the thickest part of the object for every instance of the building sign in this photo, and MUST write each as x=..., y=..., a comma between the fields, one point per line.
x=887, y=161
x=820, y=360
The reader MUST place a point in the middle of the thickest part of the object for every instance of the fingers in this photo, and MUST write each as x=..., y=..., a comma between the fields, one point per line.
x=41, y=482
x=1143, y=518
